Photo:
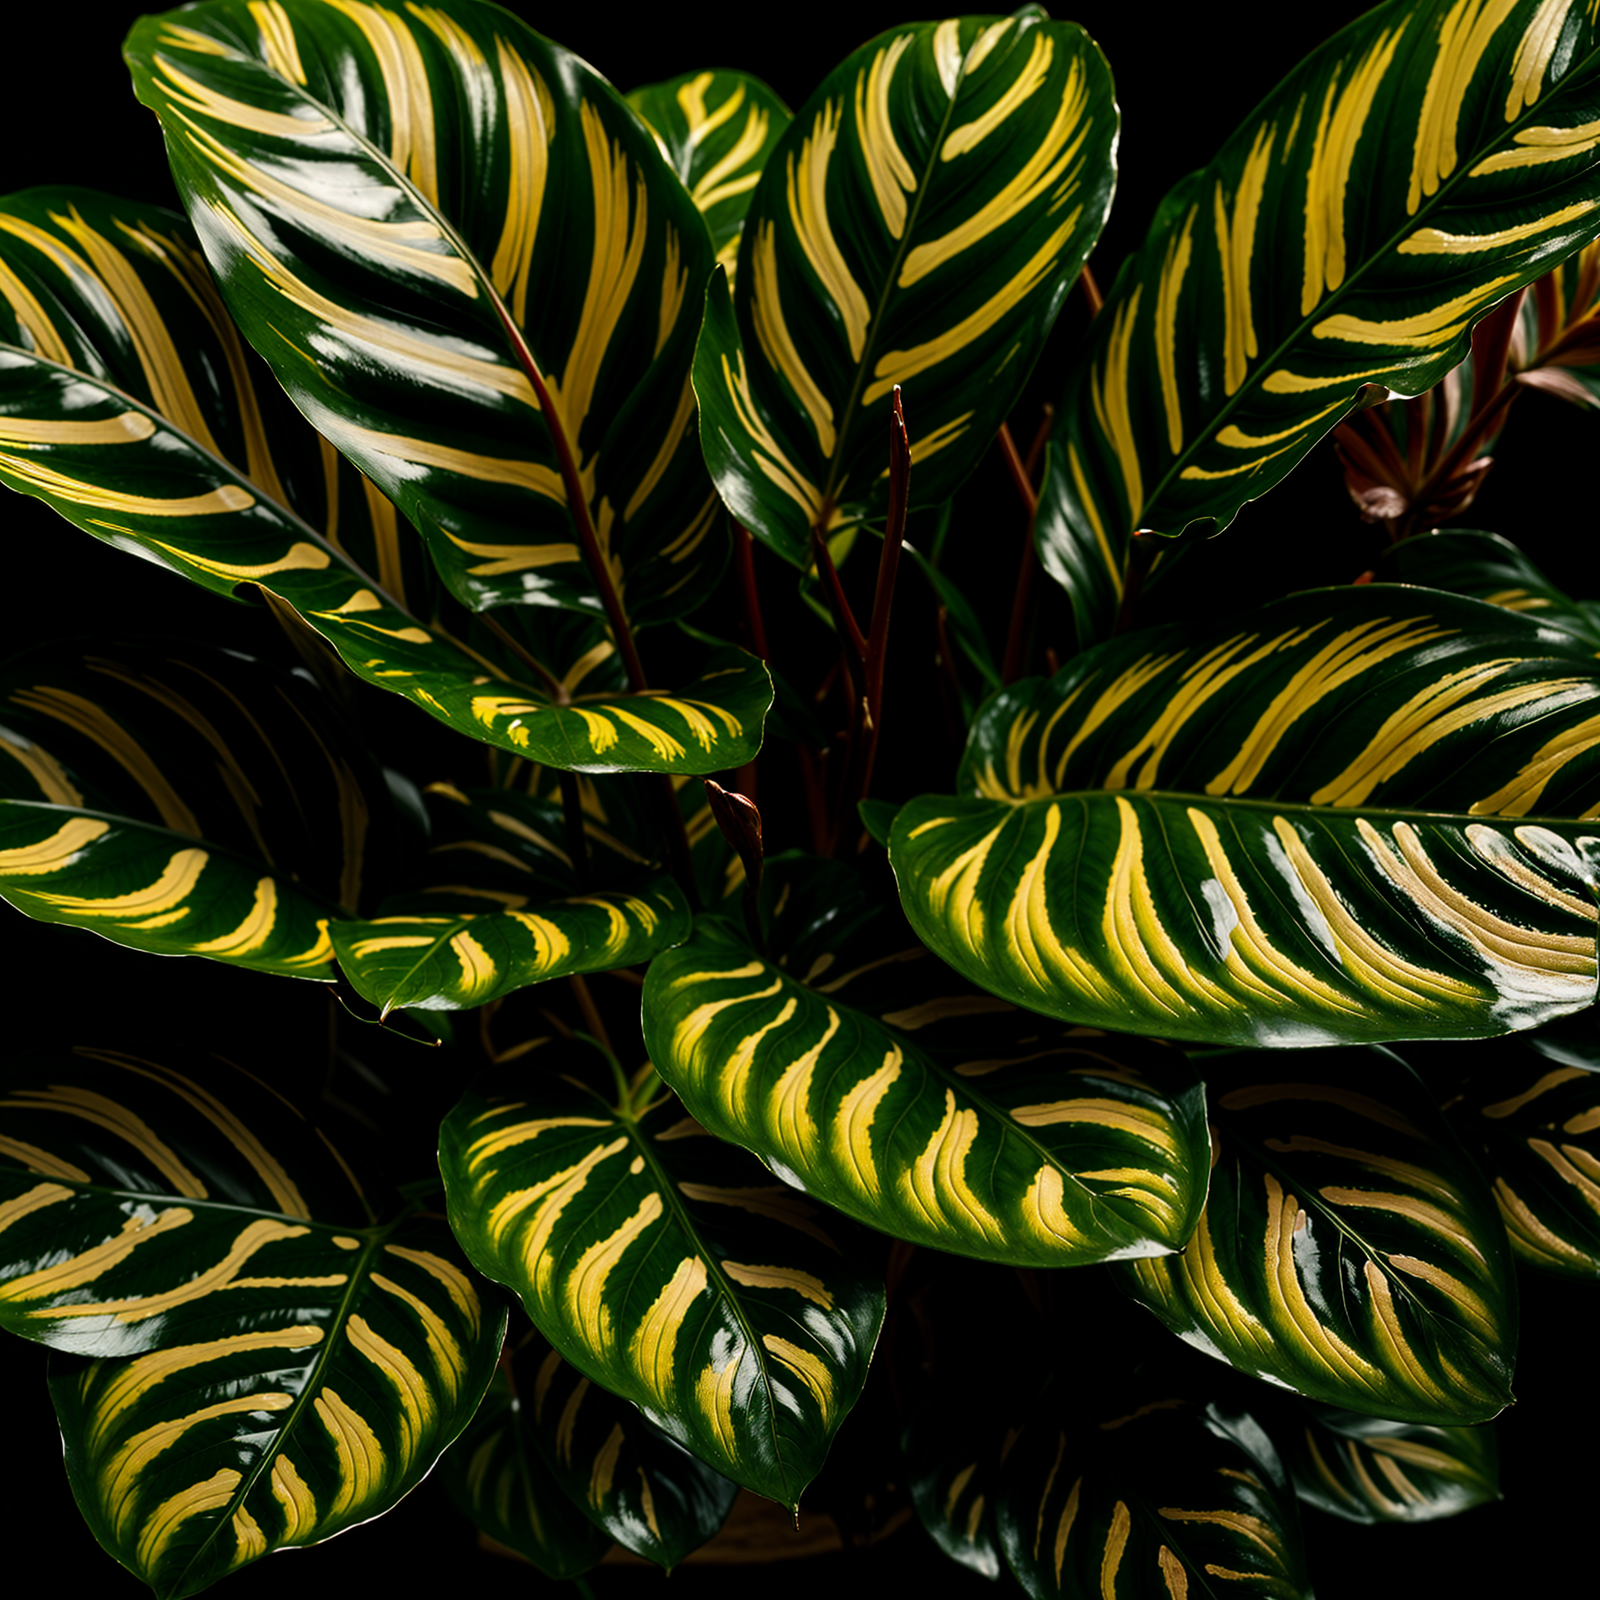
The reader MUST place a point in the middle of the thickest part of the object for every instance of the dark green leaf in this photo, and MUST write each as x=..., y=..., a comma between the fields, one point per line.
x=1353, y=815
x=186, y=800
x=919, y=224
x=1349, y=1250
x=659, y=1264
x=504, y=304
x=256, y=1364
x=1368, y=1469
x=865, y=1073
x=498, y=905
x=1532, y=1111
x=1417, y=168
x=717, y=130
x=1487, y=567
x=1168, y=1502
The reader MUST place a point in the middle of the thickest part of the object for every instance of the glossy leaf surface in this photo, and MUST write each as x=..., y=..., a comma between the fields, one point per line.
x=113, y=412
x=717, y=130
x=1427, y=161
x=646, y=1491
x=498, y=905
x=1532, y=1113
x=186, y=800
x=919, y=224
x=1488, y=567
x=1367, y=1469
x=501, y=1482
x=736, y=1316
x=1349, y=816
x=1169, y=1503
x=1350, y=1249
x=504, y=301
x=864, y=1072
x=260, y=1365
x=951, y=1474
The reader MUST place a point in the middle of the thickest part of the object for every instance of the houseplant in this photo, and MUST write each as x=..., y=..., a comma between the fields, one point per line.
x=1156, y=1178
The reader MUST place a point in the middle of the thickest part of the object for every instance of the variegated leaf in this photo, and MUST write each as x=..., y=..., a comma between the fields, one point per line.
x=1168, y=1502
x=644, y=1489
x=736, y=1316
x=187, y=800
x=717, y=130
x=1361, y=813
x=504, y=303
x=1427, y=161
x=257, y=1363
x=1488, y=567
x=864, y=1072
x=501, y=1482
x=1532, y=1113
x=1368, y=1469
x=952, y=1472
x=498, y=904
x=1349, y=1250
x=112, y=411
x=919, y=224
x=129, y=403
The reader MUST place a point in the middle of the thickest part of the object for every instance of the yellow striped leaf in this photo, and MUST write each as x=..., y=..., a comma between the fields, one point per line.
x=497, y=903
x=1427, y=161
x=864, y=1072
x=1368, y=1469
x=919, y=224
x=1490, y=568
x=504, y=301
x=256, y=1363
x=1532, y=1114
x=501, y=1482
x=663, y=1264
x=717, y=130
x=643, y=1489
x=1171, y=1502
x=1350, y=1249
x=186, y=800
x=115, y=411
x=1361, y=813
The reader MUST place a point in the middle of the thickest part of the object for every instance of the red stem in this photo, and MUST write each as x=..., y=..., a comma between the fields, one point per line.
x=578, y=505
x=744, y=561
x=1091, y=290
x=1023, y=474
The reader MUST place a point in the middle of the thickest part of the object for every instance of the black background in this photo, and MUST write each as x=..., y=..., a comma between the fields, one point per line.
x=1185, y=76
